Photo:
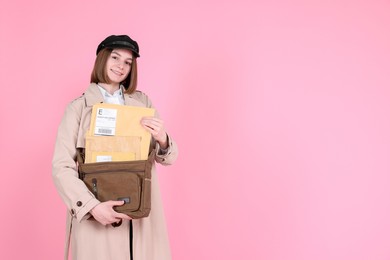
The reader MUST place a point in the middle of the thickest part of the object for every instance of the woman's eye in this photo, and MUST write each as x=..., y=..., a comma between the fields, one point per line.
x=115, y=57
x=128, y=63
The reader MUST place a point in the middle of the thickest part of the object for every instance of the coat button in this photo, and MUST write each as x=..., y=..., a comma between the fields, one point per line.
x=79, y=203
x=117, y=224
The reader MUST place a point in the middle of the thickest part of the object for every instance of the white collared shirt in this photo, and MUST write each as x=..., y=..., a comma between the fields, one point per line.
x=116, y=98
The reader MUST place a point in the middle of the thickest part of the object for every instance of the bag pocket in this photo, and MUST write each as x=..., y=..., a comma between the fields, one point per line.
x=124, y=186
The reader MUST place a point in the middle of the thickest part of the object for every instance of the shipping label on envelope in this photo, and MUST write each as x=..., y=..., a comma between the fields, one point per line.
x=105, y=121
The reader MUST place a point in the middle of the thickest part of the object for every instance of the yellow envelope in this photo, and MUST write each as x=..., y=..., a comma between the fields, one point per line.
x=112, y=148
x=116, y=133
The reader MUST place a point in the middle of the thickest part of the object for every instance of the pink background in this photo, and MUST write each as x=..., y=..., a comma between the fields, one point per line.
x=280, y=109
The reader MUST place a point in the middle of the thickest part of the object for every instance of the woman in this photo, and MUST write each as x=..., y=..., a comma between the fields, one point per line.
x=89, y=229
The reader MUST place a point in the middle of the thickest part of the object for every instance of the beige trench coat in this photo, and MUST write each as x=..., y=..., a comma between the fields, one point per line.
x=88, y=238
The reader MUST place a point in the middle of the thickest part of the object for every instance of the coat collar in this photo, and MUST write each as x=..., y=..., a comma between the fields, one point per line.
x=93, y=95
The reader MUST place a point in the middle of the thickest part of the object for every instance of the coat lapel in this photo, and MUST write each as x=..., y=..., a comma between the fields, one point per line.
x=132, y=100
x=93, y=95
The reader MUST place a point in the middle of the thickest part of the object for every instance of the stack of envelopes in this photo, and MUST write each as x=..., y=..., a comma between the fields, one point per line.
x=116, y=134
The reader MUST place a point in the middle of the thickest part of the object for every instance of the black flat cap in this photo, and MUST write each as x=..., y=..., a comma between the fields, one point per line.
x=119, y=41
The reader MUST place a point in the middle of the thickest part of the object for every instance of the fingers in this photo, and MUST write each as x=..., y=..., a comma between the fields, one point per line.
x=105, y=214
x=116, y=217
x=155, y=131
x=155, y=127
x=153, y=123
x=119, y=215
x=122, y=216
x=152, y=118
x=115, y=202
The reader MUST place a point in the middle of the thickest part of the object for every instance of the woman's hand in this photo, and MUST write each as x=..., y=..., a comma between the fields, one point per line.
x=105, y=214
x=155, y=126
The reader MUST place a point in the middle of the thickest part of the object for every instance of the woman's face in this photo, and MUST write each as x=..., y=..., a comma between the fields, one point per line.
x=119, y=65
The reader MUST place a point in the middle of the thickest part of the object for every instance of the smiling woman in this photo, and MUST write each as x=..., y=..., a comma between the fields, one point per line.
x=113, y=66
x=95, y=230
x=118, y=67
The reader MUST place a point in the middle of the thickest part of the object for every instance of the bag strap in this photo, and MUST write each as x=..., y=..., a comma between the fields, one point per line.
x=80, y=155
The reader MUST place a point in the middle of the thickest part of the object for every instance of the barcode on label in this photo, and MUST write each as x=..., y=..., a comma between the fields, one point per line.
x=104, y=131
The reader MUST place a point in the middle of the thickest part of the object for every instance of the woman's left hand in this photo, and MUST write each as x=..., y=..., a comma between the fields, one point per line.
x=155, y=127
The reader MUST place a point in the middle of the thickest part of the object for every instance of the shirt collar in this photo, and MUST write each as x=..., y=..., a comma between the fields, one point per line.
x=117, y=93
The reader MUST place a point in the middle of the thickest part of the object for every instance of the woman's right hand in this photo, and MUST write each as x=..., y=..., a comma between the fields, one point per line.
x=105, y=214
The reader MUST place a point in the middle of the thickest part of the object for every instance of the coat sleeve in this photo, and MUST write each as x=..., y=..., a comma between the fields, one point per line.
x=76, y=196
x=169, y=155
